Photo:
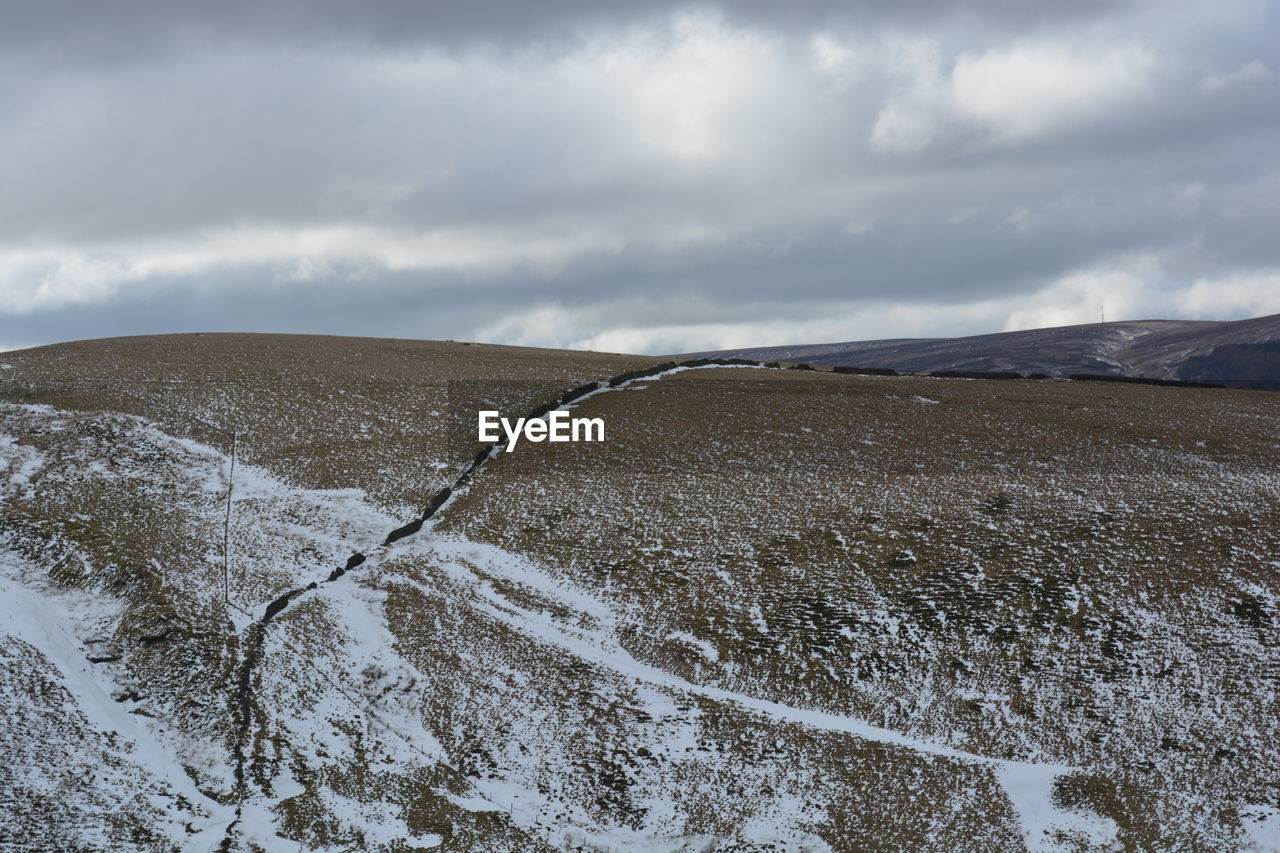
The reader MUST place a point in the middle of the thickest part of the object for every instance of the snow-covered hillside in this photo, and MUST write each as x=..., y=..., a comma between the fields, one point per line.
x=770, y=613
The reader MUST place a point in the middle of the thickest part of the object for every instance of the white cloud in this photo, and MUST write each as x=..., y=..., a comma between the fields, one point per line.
x=850, y=321
x=1023, y=92
x=680, y=91
x=53, y=276
x=1010, y=94
x=830, y=54
x=732, y=176
x=1134, y=288
x=1082, y=297
x=1251, y=295
x=1137, y=288
x=30, y=280
x=912, y=115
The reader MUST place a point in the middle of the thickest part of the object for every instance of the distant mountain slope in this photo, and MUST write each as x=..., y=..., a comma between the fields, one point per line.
x=1162, y=349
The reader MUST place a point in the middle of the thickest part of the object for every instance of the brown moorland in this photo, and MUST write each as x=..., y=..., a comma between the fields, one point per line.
x=674, y=637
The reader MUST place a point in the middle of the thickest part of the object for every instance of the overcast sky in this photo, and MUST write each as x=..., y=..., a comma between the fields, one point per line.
x=622, y=176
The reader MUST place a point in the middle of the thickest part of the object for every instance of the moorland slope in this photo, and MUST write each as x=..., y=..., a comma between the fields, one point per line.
x=776, y=610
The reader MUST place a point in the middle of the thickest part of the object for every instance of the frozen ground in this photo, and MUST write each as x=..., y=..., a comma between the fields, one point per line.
x=592, y=668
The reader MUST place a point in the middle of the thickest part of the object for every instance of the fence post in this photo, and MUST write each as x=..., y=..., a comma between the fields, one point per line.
x=226, y=527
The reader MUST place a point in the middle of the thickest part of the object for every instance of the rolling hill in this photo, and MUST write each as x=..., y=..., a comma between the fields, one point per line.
x=269, y=590
x=1240, y=353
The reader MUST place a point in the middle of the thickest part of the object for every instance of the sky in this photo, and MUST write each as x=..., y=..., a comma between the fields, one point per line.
x=639, y=177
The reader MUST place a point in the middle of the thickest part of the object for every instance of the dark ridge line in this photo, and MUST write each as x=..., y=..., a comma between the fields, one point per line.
x=1011, y=375
x=352, y=561
x=486, y=453
x=865, y=371
x=283, y=601
x=257, y=630
x=401, y=532
x=243, y=706
x=976, y=374
x=1142, y=380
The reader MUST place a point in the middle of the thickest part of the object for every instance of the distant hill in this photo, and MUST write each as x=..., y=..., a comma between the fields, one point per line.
x=1241, y=353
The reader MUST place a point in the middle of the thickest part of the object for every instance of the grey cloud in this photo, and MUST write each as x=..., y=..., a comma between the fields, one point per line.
x=137, y=133
x=80, y=29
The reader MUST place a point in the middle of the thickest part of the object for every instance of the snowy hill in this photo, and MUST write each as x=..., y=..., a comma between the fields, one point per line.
x=776, y=610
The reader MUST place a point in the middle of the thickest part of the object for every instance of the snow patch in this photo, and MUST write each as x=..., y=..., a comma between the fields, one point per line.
x=47, y=622
x=703, y=648
x=1262, y=829
x=1046, y=828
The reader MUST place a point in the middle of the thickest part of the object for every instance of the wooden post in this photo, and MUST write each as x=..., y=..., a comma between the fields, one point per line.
x=226, y=528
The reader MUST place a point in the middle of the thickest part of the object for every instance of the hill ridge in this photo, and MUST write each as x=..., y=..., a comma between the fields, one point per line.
x=1157, y=349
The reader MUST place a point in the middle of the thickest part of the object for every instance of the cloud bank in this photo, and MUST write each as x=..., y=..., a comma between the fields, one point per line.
x=653, y=178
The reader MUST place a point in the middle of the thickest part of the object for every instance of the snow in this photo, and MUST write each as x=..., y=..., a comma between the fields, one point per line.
x=46, y=621
x=703, y=648
x=23, y=463
x=1046, y=828
x=271, y=514
x=592, y=637
x=1262, y=829
x=386, y=704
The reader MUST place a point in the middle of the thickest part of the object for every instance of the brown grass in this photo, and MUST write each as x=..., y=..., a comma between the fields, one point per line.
x=1028, y=570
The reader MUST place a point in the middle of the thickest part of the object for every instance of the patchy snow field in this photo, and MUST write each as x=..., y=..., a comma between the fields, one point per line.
x=769, y=613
